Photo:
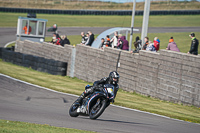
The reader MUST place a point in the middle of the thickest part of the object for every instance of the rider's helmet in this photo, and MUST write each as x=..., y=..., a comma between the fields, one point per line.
x=114, y=77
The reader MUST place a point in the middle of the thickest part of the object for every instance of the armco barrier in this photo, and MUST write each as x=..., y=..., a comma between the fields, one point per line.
x=37, y=63
x=98, y=12
x=167, y=75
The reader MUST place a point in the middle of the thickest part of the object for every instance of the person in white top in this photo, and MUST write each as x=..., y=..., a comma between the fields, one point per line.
x=114, y=40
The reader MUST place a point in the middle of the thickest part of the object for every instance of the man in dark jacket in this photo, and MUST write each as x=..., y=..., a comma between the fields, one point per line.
x=64, y=40
x=90, y=39
x=194, y=45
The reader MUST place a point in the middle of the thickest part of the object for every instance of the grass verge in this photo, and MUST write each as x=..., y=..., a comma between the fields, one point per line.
x=126, y=99
x=10, y=20
x=23, y=127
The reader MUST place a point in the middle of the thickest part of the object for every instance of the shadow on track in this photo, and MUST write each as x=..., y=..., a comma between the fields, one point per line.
x=117, y=121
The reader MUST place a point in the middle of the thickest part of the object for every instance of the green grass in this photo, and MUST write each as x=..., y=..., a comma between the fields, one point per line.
x=126, y=99
x=10, y=20
x=22, y=127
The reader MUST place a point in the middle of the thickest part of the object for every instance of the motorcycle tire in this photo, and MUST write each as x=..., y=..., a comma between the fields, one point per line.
x=73, y=110
x=99, y=111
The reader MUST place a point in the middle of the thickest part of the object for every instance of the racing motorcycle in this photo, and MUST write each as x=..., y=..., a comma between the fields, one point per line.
x=94, y=104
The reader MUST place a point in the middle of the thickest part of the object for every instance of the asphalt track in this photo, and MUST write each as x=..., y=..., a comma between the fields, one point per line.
x=24, y=102
x=9, y=34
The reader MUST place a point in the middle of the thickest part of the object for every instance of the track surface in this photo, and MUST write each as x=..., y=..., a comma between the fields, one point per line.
x=9, y=34
x=27, y=103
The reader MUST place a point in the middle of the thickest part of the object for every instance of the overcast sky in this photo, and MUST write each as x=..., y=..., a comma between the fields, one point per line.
x=122, y=1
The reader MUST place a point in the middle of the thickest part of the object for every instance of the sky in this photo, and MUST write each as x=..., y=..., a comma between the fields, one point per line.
x=123, y=1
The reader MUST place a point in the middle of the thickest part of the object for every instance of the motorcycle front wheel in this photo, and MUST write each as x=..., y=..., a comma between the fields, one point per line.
x=97, y=109
x=73, y=110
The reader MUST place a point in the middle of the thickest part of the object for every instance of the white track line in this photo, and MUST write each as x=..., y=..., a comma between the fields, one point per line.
x=8, y=44
x=78, y=96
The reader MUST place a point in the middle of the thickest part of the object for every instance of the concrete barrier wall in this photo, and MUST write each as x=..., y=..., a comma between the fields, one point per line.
x=93, y=64
x=167, y=75
x=46, y=50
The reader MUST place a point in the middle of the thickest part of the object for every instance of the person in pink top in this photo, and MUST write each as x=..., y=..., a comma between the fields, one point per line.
x=172, y=45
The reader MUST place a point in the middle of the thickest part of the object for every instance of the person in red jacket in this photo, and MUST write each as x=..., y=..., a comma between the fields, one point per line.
x=156, y=43
x=56, y=39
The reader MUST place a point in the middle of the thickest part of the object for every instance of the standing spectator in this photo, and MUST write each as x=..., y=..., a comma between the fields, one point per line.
x=64, y=40
x=146, y=40
x=172, y=45
x=125, y=44
x=150, y=47
x=137, y=45
x=118, y=41
x=156, y=43
x=102, y=43
x=114, y=40
x=26, y=29
x=56, y=39
x=90, y=39
x=108, y=44
x=194, y=45
x=84, y=38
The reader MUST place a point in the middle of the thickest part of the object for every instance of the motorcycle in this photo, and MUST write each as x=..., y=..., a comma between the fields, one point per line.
x=94, y=104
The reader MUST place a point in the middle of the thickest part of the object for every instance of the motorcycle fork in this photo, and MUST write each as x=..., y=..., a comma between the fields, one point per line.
x=97, y=103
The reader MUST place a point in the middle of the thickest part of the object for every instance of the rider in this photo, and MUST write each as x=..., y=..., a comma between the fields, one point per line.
x=98, y=85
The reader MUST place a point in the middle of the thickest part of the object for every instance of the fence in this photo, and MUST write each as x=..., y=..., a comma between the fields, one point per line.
x=98, y=12
x=167, y=75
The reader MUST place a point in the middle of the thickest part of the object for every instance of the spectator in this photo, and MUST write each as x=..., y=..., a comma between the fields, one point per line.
x=114, y=40
x=64, y=40
x=102, y=43
x=119, y=42
x=108, y=44
x=27, y=29
x=172, y=45
x=146, y=40
x=87, y=35
x=53, y=28
x=56, y=39
x=194, y=45
x=125, y=44
x=53, y=38
x=150, y=47
x=90, y=39
x=137, y=45
x=156, y=43
x=84, y=38
x=53, y=41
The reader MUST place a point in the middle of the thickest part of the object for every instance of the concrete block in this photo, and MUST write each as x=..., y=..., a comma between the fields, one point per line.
x=192, y=64
x=190, y=78
x=170, y=53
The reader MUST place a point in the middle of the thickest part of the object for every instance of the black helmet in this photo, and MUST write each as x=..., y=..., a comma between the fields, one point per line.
x=114, y=77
